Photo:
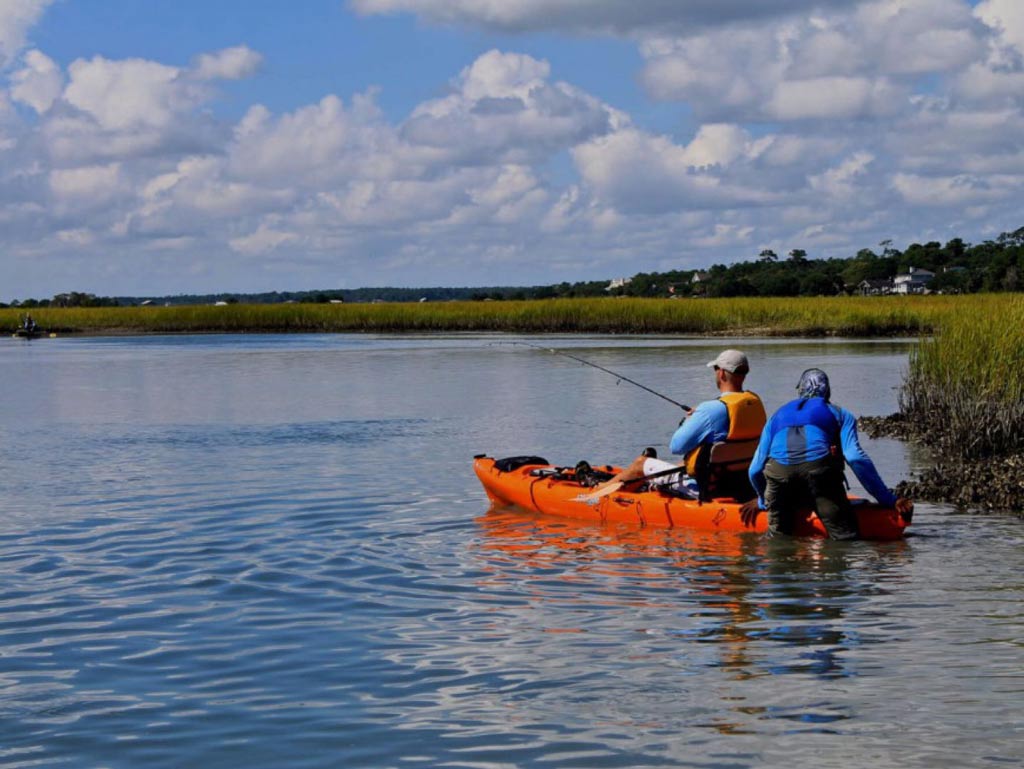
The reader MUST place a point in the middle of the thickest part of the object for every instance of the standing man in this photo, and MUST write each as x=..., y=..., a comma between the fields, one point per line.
x=800, y=459
x=735, y=417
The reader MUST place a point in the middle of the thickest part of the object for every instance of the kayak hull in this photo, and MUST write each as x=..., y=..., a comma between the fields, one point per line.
x=535, y=487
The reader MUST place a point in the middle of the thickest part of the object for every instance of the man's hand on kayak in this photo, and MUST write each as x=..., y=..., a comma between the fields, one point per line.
x=749, y=511
x=905, y=508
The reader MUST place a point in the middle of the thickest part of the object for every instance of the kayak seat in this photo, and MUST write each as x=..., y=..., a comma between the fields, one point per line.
x=722, y=470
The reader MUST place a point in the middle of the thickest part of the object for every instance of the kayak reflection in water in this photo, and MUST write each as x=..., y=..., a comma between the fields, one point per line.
x=717, y=439
x=800, y=460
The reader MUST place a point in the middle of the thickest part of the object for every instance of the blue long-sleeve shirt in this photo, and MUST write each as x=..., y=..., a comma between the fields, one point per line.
x=709, y=423
x=817, y=446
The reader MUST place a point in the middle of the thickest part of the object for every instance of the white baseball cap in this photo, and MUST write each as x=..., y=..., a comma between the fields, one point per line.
x=732, y=361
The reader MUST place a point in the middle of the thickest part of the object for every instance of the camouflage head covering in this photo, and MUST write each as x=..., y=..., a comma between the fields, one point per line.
x=814, y=384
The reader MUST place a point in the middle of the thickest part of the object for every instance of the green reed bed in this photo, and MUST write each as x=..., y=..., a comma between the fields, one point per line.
x=842, y=316
x=965, y=385
x=964, y=396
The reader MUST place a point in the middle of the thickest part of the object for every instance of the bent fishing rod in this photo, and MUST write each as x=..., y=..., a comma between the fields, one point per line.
x=615, y=374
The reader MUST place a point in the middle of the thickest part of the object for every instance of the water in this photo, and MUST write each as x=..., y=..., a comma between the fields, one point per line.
x=270, y=551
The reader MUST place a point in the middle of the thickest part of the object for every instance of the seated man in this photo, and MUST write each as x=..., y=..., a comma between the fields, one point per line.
x=800, y=459
x=734, y=419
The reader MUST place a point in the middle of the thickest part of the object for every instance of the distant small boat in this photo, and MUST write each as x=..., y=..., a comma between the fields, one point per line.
x=29, y=333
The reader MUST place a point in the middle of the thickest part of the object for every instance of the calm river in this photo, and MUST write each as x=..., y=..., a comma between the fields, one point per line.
x=271, y=551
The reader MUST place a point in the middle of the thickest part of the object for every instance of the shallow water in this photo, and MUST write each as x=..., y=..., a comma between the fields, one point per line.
x=270, y=551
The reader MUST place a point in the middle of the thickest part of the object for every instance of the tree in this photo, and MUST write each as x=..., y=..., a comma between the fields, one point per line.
x=817, y=283
x=779, y=283
x=956, y=248
x=798, y=256
x=733, y=286
x=767, y=255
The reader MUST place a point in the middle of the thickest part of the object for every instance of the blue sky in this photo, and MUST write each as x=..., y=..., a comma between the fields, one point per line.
x=166, y=147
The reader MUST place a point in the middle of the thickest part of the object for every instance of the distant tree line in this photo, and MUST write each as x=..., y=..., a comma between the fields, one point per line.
x=71, y=299
x=994, y=265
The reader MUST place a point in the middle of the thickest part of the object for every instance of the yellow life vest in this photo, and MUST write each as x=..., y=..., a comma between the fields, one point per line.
x=746, y=421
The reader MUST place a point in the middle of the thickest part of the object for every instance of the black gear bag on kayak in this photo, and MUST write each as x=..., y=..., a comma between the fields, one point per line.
x=508, y=464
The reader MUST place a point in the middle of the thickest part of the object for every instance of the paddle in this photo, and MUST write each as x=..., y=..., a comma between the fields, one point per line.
x=611, y=488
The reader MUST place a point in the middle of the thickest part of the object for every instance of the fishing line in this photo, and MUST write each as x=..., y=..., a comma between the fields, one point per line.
x=615, y=374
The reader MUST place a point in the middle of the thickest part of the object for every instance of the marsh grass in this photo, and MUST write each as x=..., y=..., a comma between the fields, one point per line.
x=965, y=385
x=839, y=316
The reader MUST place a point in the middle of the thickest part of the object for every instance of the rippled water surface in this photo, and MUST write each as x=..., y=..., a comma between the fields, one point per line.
x=270, y=551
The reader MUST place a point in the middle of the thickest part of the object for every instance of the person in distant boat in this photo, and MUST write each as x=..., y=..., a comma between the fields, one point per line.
x=800, y=460
x=733, y=421
x=30, y=324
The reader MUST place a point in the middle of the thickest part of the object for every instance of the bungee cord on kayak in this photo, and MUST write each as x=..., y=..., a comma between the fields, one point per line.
x=615, y=374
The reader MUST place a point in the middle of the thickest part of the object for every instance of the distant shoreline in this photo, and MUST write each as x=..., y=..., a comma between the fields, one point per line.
x=798, y=316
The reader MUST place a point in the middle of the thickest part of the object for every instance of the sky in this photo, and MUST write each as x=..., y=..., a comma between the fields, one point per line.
x=187, y=146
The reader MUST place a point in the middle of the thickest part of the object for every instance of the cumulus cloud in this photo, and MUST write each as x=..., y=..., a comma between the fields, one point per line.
x=834, y=98
x=87, y=194
x=838, y=182
x=592, y=16
x=128, y=94
x=119, y=108
x=87, y=183
x=943, y=141
x=986, y=85
x=996, y=79
x=263, y=240
x=330, y=173
x=16, y=18
x=960, y=190
x=505, y=106
x=229, y=64
x=858, y=62
x=1007, y=16
x=311, y=145
x=642, y=173
x=39, y=83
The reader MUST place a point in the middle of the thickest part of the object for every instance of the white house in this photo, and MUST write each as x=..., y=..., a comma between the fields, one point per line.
x=617, y=283
x=912, y=282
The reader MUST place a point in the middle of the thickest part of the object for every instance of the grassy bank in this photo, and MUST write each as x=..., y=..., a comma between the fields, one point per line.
x=840, y=316
x=964, y=396
x=965, y=385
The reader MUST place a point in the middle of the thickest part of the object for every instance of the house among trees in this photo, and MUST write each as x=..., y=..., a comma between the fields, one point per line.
x=700, y=277
x=913, y=282
x=618, y=283
x=875, y=287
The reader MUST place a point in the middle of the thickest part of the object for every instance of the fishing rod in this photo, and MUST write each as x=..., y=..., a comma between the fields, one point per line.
x=615, y=374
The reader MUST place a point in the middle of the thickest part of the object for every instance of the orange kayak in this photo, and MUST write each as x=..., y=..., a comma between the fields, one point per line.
x=554, y=491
